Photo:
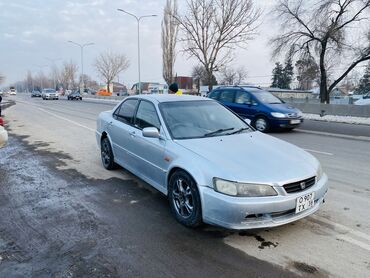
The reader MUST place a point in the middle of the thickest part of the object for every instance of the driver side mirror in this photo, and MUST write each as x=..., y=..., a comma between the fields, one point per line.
x=151, y=132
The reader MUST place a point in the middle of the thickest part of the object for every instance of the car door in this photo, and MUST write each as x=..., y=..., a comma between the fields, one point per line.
x=149, y=152
x=244, y=105
x=121, y=130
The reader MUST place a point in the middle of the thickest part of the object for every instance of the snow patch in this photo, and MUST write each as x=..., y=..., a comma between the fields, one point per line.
x=338, y=119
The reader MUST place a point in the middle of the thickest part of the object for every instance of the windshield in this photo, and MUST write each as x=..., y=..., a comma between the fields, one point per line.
x=199, y=119
x=266, y=97
x=48, y=91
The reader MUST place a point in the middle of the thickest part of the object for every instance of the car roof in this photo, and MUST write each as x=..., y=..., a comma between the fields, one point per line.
x=169, y=97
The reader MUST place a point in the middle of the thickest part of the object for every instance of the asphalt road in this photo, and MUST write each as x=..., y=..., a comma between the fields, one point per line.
x=63, y=215
x=336, y=128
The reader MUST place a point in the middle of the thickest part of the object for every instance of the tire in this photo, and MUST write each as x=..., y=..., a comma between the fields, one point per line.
x=261, y=124
x=106, y=153
x=184, y=199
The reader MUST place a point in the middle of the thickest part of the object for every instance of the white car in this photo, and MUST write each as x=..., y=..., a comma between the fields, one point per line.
x=3, y=136
x=49, y=94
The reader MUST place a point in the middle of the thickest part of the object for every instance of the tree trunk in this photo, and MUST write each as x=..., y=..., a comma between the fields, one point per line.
x=324, y=94
x=210, y=81
x=108, y=87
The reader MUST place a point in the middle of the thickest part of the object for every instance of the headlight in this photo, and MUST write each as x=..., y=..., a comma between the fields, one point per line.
x=243, y=189
x=319, y=173
x=278, y=115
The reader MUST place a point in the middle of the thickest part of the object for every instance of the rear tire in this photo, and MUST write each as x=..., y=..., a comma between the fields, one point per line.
x=106, y=153
x=184, y=199
x=261, y=124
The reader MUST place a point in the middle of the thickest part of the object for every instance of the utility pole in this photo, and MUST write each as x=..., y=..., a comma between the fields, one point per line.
x=82, y=46
x=138, y=19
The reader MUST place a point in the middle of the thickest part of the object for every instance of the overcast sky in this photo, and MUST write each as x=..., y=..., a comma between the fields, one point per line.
x=33, y=30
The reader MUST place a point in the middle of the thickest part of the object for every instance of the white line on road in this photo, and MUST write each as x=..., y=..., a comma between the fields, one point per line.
x=345, y=233
x=320, y=152
x=68, y=120
x=337, y=135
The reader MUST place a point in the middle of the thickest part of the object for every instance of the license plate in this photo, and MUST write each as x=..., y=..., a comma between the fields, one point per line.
x=305, y=202
x=294, y=122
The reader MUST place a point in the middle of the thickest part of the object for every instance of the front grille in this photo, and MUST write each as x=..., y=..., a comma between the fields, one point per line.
x=299, y=185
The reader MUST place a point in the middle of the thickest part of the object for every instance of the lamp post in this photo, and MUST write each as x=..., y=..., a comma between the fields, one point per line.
x=82, y=46
x=53, y=64
x=138, y=18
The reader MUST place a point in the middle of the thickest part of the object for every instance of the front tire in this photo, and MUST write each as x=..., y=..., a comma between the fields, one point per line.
x=184, y=199
x=261, y=124
x=106, y=152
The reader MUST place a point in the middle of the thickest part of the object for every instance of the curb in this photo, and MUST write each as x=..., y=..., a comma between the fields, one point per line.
x=342, y=136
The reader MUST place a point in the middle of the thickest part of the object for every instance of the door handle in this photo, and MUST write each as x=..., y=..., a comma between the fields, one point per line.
x=132, y=133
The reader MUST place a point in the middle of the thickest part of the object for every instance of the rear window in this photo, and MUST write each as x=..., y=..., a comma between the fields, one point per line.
x=125, y=113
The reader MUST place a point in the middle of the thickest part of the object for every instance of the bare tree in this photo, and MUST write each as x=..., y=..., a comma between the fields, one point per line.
x=68, y=75
x=321, y=29
x=2, y=78
x=109, y=65
x=233, y=76
x=212, y=29
x=169, y=39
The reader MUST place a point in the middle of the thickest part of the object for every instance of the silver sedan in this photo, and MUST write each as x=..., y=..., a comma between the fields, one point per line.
x=211, y=164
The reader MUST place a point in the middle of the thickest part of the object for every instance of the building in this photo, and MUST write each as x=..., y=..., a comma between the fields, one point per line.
x=185, y=83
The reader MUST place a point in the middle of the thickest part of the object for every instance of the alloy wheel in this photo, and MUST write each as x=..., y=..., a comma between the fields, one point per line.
x=183, y=198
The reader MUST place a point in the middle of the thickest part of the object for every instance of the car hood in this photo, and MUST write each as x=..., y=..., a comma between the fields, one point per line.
x=282, y=107
x=253, y=157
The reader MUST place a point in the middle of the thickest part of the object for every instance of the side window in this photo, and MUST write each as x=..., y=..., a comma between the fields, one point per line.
x=146, y=116
x=214, y=95
x=126, y=112
x=227, y=96
x=243, y=98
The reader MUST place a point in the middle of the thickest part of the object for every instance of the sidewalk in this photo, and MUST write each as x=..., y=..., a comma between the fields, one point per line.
x=338, y=119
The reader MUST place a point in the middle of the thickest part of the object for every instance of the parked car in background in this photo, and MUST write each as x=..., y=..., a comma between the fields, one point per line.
x=103, y=92
x=36, y=94
x=49, y=94
x=74, y=96
x=265, y=110
x=211, y=164
x=3, y=134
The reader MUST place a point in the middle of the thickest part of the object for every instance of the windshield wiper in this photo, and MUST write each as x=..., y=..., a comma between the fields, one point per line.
x=239, y=130
x=218, y=131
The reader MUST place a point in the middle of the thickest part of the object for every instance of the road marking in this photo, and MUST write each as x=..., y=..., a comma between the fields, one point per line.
x=354, y=242
x=346, y=233
x=68, y=120
x=320, y=152
x=341, y=227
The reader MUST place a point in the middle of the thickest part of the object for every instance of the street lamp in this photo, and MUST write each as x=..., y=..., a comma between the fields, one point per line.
x=82, y=62
x=138, y=18
x=53, y=64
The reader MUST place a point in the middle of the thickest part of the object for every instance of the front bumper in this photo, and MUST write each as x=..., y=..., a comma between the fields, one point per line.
x=51, y=97
x=251, y=213
x=286, y=123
